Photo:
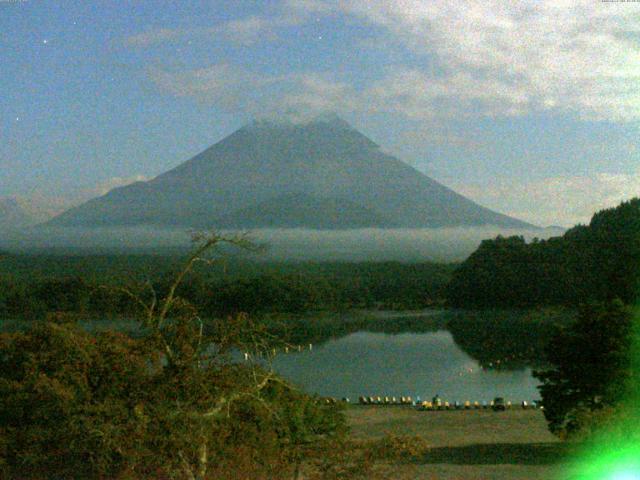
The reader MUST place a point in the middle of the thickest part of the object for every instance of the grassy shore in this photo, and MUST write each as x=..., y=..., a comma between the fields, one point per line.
x=469, y=445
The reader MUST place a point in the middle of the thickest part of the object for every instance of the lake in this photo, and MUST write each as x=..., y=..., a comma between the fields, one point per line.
x=415, y=364
x=408, y=353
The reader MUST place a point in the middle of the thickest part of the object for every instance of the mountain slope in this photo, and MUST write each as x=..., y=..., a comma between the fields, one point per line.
x=12, y=215
x=301, y=210
x=326, y=160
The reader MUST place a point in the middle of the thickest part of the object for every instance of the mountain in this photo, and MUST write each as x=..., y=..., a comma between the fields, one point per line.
x=322, y=174
x=13, y=216
x=302, y=210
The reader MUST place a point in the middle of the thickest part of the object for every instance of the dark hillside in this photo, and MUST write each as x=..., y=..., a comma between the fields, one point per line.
x=600, y=261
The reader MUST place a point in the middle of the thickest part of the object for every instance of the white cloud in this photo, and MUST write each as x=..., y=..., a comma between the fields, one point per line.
x=109, y=184
x=249, y=30
x=418, y=95
x=306, y=95
x=408, y=92
x=511, y=58
x=233, y=89
x=155, y=36
x=243, y=31
x=437, y=134
x=490, y=58
x=562, y=200
x=371, y=244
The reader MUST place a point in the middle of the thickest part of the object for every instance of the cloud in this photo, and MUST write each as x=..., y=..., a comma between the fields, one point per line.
x=299, y=244
x=504, y=58
x=44, y=206
x=492, y=58
x=109, y=184
x=560, y=200
x=154, y=37
x=243, y=31
x=306, y=95
x=407, y=92
x=230, y=88
x=233, y=89
x=418, y=95
x=438, y=134
x=249, y=30
x=488, y=59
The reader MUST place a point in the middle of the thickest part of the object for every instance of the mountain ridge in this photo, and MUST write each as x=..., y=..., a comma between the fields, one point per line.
x=264, y=162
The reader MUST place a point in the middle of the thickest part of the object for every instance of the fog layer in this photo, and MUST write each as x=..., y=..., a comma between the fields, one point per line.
x=369, y=244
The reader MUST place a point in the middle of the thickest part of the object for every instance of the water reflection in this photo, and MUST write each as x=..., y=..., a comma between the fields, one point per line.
x=497, y=339
x=416, y=364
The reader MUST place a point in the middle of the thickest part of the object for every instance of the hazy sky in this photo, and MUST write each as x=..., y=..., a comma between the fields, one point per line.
x=532, y=109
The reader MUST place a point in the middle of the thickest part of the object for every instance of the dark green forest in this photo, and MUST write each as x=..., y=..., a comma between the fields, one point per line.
x=32, y=286
x=168, y=404
x=522, y=304
x=592, y=371
x=595, y=262
x=507, y=339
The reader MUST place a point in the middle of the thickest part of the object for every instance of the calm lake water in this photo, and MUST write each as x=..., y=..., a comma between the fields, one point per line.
x=423, y=361
x=415, y=364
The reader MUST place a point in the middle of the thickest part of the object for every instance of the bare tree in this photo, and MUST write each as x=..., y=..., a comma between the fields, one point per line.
x=191, y=350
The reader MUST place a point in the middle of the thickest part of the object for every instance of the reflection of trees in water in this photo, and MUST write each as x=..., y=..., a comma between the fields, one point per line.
x=506, y=339
x=496, y=339
x=319, y=329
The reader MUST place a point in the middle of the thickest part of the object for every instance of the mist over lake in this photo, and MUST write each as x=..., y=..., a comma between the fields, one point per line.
x=366, y=244
x=216, y=214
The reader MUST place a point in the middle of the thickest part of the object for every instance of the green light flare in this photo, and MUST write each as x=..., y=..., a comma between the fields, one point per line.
x=624, y=475
x=618, y=463
x=614, y=454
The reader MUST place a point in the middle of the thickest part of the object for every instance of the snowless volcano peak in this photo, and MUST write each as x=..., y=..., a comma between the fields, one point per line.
x=320, y=174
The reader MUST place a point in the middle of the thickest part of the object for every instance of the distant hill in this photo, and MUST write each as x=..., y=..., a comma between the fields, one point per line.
x=323, y=174
x=13, y=215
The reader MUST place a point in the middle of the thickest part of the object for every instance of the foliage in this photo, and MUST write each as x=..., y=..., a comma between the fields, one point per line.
x=339, y=459
x=598, y=262
x=399, y=447
x=250, y=288
x=170, y=404
x=507, y=339
x=591, y=368
x=69, y=402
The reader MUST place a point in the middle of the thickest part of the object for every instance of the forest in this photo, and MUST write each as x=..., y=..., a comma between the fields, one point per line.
x=32, y=286
x=595, y=262
x=167, y=404
x=519, y=302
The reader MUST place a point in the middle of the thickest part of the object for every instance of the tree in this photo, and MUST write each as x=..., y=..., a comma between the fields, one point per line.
x=171, y=404
x=68, y=402
x=597, y=262
x=591, y=367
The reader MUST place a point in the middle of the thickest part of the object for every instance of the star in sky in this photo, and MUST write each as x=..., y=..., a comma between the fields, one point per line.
x=422, y=86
